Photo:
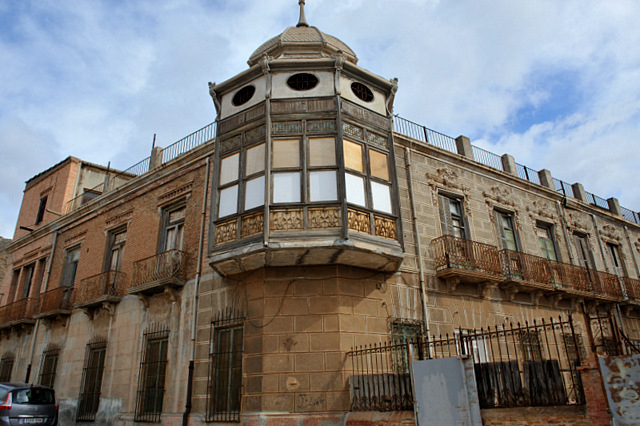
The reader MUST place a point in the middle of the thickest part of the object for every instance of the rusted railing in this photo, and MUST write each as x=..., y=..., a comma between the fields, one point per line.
x=380, y=378
x=60, y=298
x=605, y=283
x=109, y=283
x=170, y=264
x=570, y=276
x=633, y=288
x=517, y=265
x=454, y=252
x=18, y=310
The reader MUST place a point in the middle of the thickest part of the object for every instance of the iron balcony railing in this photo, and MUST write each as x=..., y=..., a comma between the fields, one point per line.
x=464, y=255
x=104, y=285
x=23, y=309
x=454, y=252
x=166, y=265
x=58, y=299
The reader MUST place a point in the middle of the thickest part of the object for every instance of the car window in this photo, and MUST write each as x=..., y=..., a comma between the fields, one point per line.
x=34, y=396
x=3, y=394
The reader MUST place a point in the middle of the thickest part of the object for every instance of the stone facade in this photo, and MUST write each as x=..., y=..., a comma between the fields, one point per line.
x=163, y=284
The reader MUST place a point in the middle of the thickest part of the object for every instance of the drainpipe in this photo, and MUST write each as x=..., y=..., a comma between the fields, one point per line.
x=35, y=328
x=414, y=219
x=187, y=410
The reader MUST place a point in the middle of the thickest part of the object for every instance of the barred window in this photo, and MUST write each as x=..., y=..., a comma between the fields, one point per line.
x=89, y=399
x=570, y=341
x=153, y=370
x=48, y=366
x=6, y=366
x=530, y=346
x=225, y=368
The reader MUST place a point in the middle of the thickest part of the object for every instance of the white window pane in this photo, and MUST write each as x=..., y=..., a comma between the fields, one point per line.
x=254, y=193
x=286, y=187
x=255, y=159
x=323, y=186
x=355, y=189
x=229, y=169
x=228, y=201
x=381, y=197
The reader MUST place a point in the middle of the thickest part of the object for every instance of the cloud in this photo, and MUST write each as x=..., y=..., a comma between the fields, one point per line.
x=546, y=81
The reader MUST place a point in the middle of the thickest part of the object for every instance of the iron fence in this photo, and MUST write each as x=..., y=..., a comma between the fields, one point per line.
x=515, y=366
x=380, y=379
x=424, y=134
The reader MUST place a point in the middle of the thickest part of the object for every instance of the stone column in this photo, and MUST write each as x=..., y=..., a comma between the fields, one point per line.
x=614, y=206
x=546, y=179
x=463, y=145
x=156, y=158
x=579, y=192
x=509, y=165
x=594, y=393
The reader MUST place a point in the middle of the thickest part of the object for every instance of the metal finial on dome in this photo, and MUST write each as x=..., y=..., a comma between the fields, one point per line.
x=302, y=22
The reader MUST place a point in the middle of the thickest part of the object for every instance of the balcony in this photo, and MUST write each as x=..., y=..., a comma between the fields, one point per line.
x=100, y=290
x=157, y=273
x=18, y=313
x=463, y=260
x=56, y=302
x=458, y=259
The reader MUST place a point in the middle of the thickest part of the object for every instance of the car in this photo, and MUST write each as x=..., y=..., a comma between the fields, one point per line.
x=27, y=404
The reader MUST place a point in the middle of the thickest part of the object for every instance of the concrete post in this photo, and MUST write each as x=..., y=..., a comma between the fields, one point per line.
x=614, y=206
x=509, y=165
x=463, y=145
x=156, y=158
x=579, y=192
x=546, y=179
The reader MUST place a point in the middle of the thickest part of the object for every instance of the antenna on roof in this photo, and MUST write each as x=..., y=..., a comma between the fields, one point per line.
x=302, y=22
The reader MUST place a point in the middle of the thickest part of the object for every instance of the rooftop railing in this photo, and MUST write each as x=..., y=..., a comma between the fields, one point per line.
x=118, y=178
x=431, y=137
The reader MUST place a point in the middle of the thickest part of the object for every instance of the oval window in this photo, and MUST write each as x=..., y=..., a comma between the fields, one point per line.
x=243, y=95
x=362, y=91
x=302, y=81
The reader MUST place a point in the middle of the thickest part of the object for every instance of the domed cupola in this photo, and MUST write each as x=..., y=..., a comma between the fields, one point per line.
x=302, y=42
x=304, y=160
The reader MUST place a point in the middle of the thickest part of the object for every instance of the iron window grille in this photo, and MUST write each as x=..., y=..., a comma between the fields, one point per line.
x=530, y=345
x=89, y=399
x=6, y=366
x=48, y=366
x=153, y=370
x=224, y=391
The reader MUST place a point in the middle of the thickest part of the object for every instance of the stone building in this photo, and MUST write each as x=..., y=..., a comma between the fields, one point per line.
x=244, y=273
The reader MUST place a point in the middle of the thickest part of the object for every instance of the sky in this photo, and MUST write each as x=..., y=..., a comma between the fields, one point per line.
x=554, y=83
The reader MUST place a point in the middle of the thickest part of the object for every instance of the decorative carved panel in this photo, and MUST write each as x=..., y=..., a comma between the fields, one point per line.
x=353, y=131
x=255, y=113
x=322, y=126
x=324, y=218
x=385, y=228
x=255, y=134
x=231, y=123
x=286, y=107
x=359, y=221
x=226, y=231
x=377, y=140
x=365, y=115
x=321, y=105
x=286, y=220
x=230, y=144
x=287, y=127
x=252, y=224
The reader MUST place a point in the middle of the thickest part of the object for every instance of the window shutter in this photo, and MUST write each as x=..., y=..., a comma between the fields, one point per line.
x=445, y=215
